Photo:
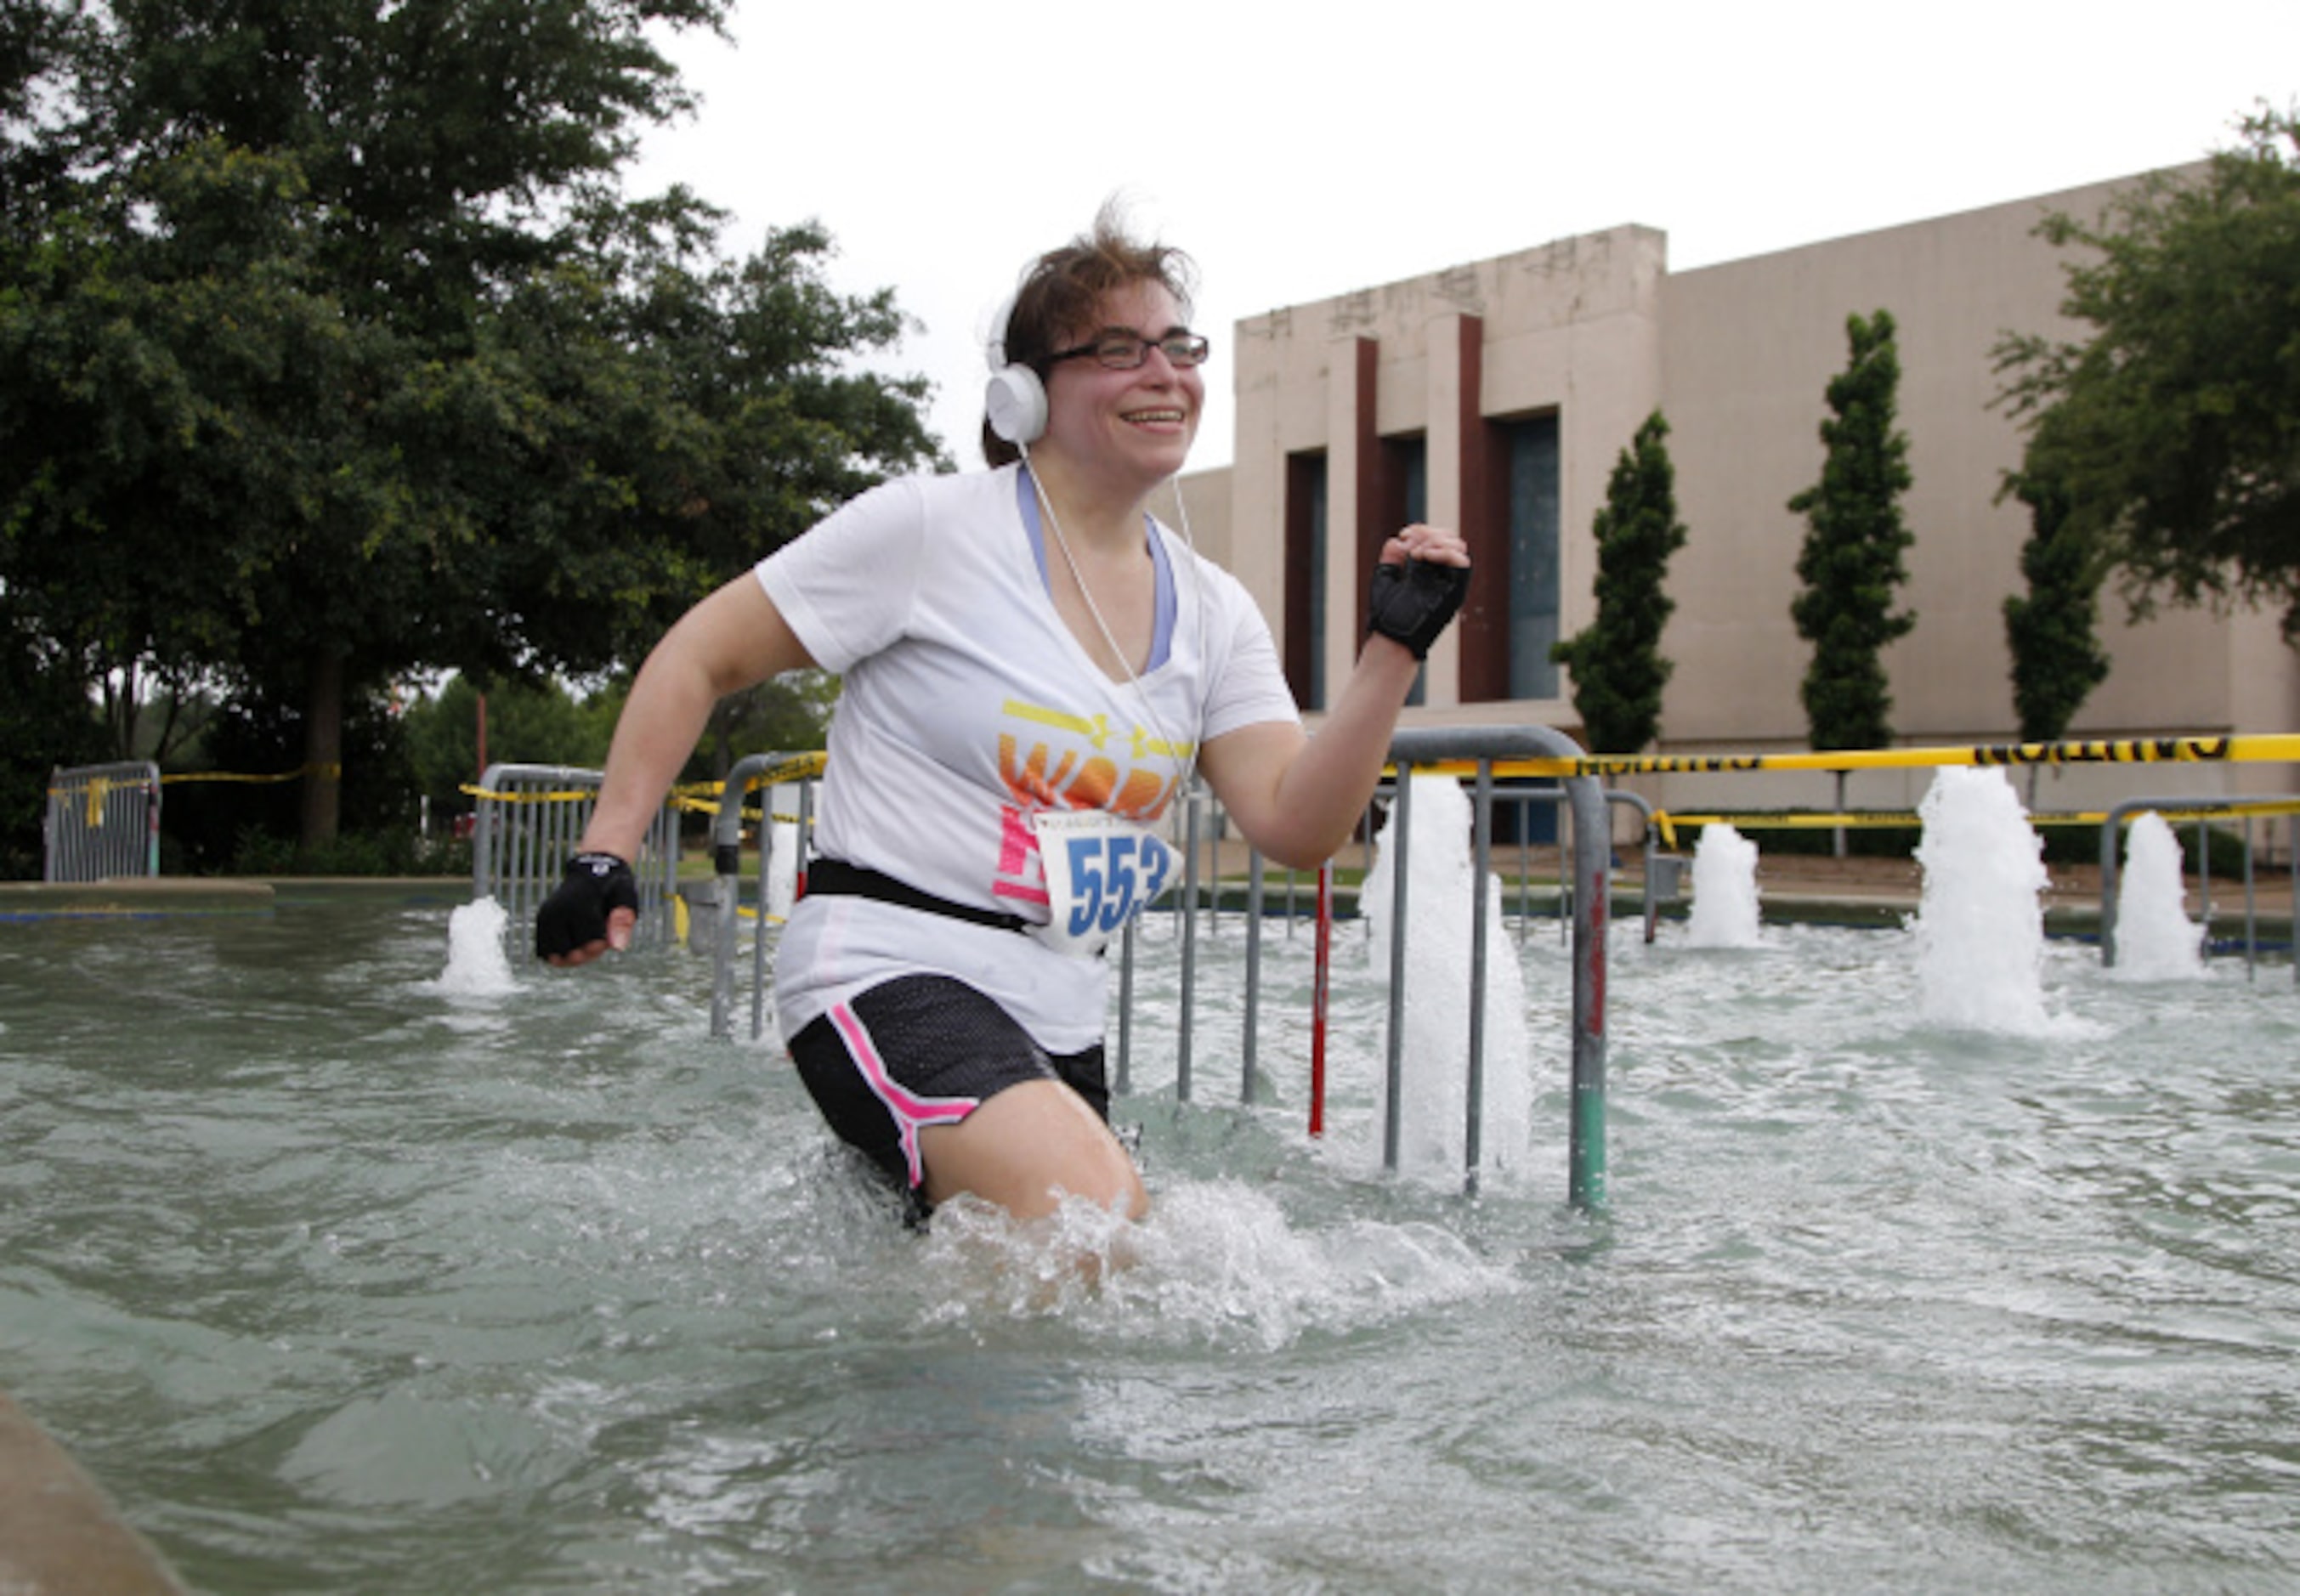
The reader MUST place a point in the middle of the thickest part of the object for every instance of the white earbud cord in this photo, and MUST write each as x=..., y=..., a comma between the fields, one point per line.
x=1149, y=711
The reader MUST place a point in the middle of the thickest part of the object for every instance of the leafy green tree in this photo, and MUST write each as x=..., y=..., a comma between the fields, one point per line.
x=176, y=413
x=2173, y=424
x=341, y=356
x=46, y=724
x=1616, y=660
x=790, y=714
x=1851, y=561
x=433, y=150
x=442, y=141
x=2051, y=629
x=38, y=41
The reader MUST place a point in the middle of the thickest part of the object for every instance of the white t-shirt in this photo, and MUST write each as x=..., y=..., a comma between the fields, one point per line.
x=967, y=704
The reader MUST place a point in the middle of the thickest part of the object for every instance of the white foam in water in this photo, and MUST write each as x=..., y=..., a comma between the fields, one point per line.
x=1724, y=891
x=782, y=850
x=1433, y=1135
x=782, y=870
x=1215, y=1261
x=2156, y=939
x=477, y=965
x=1979, y=926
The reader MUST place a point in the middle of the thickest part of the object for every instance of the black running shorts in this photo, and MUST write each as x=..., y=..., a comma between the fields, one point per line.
x=920, y=1051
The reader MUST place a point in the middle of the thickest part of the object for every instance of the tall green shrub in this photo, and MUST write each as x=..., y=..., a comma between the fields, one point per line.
x=2052, y=628
x=1851, y=562
x=1618, y=669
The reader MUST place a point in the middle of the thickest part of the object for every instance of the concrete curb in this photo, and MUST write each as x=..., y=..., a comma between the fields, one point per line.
x=131, y=897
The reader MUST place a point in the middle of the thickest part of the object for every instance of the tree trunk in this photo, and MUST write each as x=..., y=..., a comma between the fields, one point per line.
x=323, y=752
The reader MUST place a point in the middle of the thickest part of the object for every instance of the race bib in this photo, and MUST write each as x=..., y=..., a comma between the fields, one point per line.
x=1100, y=871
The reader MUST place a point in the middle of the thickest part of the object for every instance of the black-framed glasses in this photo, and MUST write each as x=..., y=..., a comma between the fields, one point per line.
x=1121, y=350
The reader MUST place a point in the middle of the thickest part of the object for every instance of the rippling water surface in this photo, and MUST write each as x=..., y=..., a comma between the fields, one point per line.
x=342, y=1276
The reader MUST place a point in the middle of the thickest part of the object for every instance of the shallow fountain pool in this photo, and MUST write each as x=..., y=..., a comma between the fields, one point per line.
x=342, y=1279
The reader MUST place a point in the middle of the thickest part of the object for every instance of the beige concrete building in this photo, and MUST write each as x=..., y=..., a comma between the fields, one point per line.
x=1495, y=396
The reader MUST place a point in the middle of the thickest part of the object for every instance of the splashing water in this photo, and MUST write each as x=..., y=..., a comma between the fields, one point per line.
x=2156, y=939
x=1724, y=891
x=1433, y=1137
x=477, y=965
x=1216, y=1263
x=1979, y=927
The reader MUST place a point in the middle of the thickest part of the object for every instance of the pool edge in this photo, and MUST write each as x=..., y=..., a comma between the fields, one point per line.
x=59, y=1532
x=132, y=897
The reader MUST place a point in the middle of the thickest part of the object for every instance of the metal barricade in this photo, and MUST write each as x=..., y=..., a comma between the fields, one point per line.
x=765, y=771
x=103, y=822
x=1590, y=906
x=1590, y=898
x=530, y=819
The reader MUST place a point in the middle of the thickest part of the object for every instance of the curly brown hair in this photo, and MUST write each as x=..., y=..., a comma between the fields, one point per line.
x=1056, y=301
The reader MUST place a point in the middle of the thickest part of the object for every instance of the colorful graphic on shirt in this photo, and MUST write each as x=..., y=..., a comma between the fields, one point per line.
x=1062, y=761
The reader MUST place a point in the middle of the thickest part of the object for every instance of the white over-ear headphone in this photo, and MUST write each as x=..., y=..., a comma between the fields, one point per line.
x=1015, y=402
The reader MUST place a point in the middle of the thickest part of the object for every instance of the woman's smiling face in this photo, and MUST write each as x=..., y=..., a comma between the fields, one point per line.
x=1139, y=423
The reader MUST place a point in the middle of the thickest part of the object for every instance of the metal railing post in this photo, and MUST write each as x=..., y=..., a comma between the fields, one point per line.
x=1637, y=801
x=1401, y=814
x=1122, y=1080
x=1481, y=854
x=2204, y=875
x=1586, y=1153
x=1192, y=808
x=766, y=772
x=1524, y=863
x=2250, y=919
x=1253, y=893
x=727, y=874
x=732, y=908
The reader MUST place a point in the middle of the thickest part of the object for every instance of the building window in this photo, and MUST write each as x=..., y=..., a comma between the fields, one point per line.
x=1527, y=449
x=1305, y=578
x=1405, y=482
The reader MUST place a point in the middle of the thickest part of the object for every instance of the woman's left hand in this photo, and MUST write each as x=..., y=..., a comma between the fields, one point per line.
x=1423, y=577
x=1440, y=546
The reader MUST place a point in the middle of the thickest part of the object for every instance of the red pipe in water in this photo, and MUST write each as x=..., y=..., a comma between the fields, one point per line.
x=1325, y=959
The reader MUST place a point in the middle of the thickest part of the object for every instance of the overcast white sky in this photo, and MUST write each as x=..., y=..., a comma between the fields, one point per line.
x=1299, y=152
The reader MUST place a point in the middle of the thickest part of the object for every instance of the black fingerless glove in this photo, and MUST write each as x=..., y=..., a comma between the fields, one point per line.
x=575, y=914
x=1413, y=601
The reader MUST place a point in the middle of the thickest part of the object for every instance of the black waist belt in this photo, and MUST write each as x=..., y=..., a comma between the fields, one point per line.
x=839, y=878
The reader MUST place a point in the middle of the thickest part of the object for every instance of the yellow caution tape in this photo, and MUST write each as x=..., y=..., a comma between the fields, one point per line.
x=326, y=772
x=2185, y=750
x=97, y=790
x=577, y=795
x=799, y=767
